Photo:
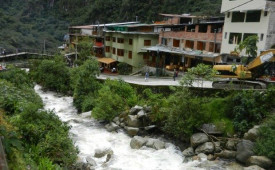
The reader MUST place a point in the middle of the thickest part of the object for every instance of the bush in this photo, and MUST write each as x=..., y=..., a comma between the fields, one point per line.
x=265, y=144
x=250, y=108
x=124, y=68
x=52, y=74
x=114, y=97
x=185, y=114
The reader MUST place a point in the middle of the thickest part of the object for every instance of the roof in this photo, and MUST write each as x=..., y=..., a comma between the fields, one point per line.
x=103, y=25
x=182, y=15
x=197, y=53
x=106, y=60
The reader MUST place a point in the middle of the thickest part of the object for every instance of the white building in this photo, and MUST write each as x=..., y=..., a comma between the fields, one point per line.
x=248, y=17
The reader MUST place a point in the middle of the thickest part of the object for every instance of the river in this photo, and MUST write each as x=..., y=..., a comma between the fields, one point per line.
x=89, y=135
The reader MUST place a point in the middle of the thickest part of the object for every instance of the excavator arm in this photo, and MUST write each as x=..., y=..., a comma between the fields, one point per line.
x=267, y=56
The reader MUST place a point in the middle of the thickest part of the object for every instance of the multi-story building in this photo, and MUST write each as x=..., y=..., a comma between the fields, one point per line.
x=244, y=18
x=188, y=41
x=125, y=43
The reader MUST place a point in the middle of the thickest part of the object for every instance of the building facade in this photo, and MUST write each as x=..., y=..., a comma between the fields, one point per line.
x=244, y=18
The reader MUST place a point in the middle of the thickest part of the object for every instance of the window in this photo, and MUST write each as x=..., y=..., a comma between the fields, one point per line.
x=145, y=56
x=120, y=40
x=238, y=17
x=107, y=49
x=235, y=38
x=191, y=28
x=164, y=41
x=253, y=16
x=225, y=35
x=130, y=54
x=265, y=13
x=228, y=14
x=120, y=52
x=108, y=38
x=114, y=50
x=262, y=37
x=245, y=35
x=176, y=43
x=130, y=41
x=114, y=39
x=203, y=28
x=201, y=45
x=189, y=44
x=147, y=42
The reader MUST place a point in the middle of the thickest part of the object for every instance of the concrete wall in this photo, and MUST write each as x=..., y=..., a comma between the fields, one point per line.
x=242, y=4
x=270, y=40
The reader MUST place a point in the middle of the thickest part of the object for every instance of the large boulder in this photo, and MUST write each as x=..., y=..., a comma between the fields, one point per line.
x=207, y=147
x=231, y=144
x=99, y=153
x=198, y=138
x=137, y=142
x=188, y=152
x=131, y=130
x=226, y=154
x=254, y=167
x=111, y=127
x=244, y=150
x=211, y=129
x=252, y=134
x=261, y=161
x=155, y=144
x=234, y=166
x=116, y=120
x=141, y=114
x=218, y=147
x=132, y=121
x=135, y=110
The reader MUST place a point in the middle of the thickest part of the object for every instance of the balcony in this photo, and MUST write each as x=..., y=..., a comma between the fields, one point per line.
x=98, y=45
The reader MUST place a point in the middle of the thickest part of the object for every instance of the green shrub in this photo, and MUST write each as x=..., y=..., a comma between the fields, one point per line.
x=52, y=74
x=108, y=104
x=124, y=68
x=250, y=108
x=185, y=114
x=265, y=144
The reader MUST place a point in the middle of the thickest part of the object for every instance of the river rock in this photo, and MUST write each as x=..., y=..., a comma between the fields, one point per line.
x=141, y=114
x=132, y=121
x=116, y=120
x=202, y=156
x=261, y=161
x=234, y=166
x=111, y=127
x=252, y=134
x=155, y=144
x=135, y=110
x=99, y=153
x=218, y=147
x=132, y=131
x=244, y=150
x=211, y=129
x=226, y=154
x=137, y=142
x=231, y=144
x=109, y=156
x=188, y=152
x=210, y=157
x=91, y=161
x=207, y=147
x=254, y=167
x=151, y=127
x=198, y=138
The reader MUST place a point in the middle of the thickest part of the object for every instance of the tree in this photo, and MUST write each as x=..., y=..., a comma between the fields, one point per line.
x=249, y=45
x=199, y=73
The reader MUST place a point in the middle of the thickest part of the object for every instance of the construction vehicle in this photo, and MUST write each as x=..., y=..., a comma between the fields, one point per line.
x=256, y=75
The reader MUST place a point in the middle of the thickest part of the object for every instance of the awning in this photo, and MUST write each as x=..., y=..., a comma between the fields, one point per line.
x=106, y=60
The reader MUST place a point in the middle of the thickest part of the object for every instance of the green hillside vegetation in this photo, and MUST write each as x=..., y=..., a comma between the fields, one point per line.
x=26, y=24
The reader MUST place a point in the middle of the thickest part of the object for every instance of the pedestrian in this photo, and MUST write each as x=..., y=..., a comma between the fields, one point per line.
x=146, y=76
x=174, y=75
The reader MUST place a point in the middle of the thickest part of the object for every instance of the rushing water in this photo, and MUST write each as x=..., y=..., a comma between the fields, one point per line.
x=90, y=135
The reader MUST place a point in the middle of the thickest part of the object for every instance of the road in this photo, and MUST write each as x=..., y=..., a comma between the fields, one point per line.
x=153, y=81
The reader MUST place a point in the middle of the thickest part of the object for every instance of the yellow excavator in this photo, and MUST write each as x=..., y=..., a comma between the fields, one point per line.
x=256, y=75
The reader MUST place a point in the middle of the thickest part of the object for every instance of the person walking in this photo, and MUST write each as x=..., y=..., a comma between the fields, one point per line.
x=146, y=76
x=174, y=75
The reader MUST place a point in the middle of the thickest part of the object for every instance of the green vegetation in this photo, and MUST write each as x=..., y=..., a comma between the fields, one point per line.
x=265, y=144
x=249, y=45
x=32, y=137
x=26, y=24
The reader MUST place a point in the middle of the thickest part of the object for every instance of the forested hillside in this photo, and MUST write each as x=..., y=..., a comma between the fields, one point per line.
x=27, y=23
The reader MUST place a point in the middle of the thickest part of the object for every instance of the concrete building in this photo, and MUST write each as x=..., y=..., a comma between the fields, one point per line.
x=244, y=18
x=188, y=41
